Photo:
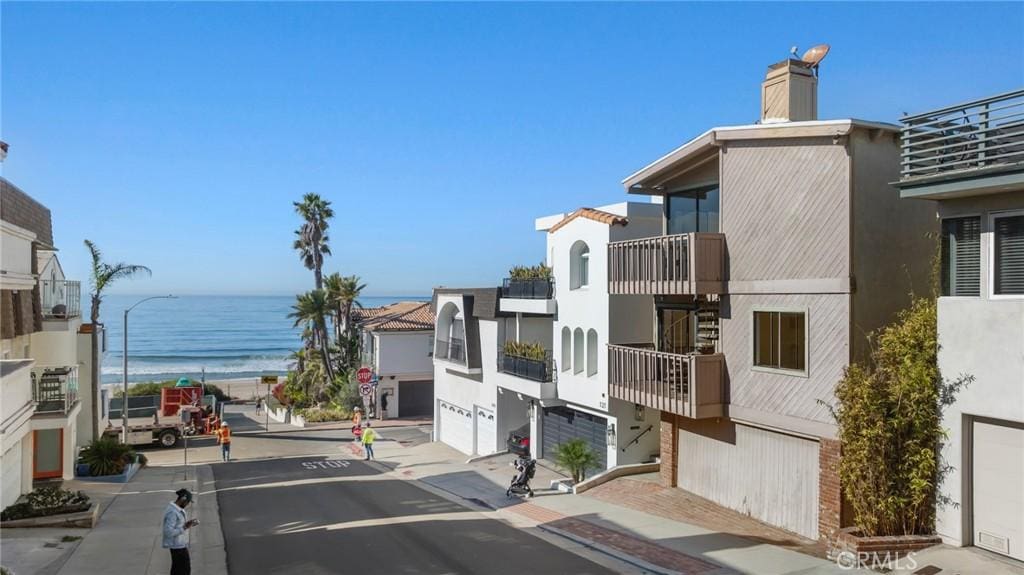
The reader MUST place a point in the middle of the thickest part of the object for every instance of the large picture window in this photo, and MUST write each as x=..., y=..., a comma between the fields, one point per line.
x=693, y=211
x=1008, y=254
x=780, y=340
x=961, y=256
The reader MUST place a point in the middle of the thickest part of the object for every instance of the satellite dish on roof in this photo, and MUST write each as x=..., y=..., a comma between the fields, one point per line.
x=815, y=55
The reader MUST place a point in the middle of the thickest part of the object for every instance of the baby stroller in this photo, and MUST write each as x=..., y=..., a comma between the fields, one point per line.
x=525, y=469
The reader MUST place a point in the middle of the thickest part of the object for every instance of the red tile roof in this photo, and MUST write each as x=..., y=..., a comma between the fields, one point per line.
x=591, y=214
x=400, y=316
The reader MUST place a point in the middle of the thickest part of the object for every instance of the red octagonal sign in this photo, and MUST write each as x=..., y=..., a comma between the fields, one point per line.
x=364, y=375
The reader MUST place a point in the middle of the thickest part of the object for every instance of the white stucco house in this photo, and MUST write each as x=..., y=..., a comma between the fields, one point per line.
x=41, y=408
x=968, y=162
x=395, y=343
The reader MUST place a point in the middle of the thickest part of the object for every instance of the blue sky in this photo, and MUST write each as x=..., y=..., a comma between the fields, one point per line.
x=177, y=135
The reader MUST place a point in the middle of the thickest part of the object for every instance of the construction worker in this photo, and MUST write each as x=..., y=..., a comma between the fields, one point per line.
x=368, y=436
x=224, y=439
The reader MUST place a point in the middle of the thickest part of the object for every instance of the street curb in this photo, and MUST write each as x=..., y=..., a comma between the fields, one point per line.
x=211, y=551
x=614, y=553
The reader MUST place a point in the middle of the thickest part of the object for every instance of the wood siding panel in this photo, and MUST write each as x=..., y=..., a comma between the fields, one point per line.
x=789, y=395
x=771, y=476
x=785, y=209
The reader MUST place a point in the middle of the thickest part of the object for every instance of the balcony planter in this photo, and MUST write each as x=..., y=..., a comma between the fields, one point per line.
x=526, y=368
x=527, y=288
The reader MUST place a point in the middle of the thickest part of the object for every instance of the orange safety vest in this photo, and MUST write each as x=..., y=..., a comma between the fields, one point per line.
x=224, y=435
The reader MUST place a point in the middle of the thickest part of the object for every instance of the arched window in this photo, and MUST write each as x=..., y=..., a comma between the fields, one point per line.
x=579, y=265
x=591, y=353
x=566, y=348
x=449, y=342
x=577, y=351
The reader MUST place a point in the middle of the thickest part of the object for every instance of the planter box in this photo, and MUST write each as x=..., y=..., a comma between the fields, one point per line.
x=83, y=519
x=123, y=477
x=533, y=369
x=852, y=548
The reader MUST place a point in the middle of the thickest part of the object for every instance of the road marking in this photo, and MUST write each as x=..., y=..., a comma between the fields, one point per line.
x=454, y=516
x=327, y=464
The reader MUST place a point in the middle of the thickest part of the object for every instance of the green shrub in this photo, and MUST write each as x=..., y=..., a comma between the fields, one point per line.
x=46, y=501
x=323, y=415
x=889, y=416
x=526, y=349
x=577, y=456
x=107, y=456
x=539, y=271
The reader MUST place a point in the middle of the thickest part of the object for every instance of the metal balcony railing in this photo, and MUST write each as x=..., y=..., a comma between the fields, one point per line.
x=539, y=370
x=984, y=133
x=450, y=350
x=61, y=299
x=55, y=389
x=536, y=288
x=691, y=385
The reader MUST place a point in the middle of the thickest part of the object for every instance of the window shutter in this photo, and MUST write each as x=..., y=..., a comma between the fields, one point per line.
x=1009, y=255
x=961, y=256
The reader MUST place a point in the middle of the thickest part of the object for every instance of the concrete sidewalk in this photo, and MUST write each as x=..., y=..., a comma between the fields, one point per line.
x=653, y=543
x=128, y=536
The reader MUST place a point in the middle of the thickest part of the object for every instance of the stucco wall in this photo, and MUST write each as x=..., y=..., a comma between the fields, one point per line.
x=982, y=337
x=403, y=353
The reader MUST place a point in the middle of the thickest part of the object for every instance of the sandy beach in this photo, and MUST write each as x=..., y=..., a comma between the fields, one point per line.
x=239, y=388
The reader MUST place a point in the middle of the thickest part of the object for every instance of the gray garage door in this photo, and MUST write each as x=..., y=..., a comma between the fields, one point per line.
x=562, y=424
x=415, y=398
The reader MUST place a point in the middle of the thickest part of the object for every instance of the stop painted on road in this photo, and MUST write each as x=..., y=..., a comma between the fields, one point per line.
x=327, y=464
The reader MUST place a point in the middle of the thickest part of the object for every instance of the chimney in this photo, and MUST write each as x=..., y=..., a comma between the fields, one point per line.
x=789, y=92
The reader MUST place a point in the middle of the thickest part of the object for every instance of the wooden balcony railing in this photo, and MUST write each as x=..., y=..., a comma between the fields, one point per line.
x=691, y=385
x=986, y=133
x=682, y=264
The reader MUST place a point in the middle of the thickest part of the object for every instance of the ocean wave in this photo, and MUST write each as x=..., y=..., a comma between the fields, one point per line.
x=195, y=365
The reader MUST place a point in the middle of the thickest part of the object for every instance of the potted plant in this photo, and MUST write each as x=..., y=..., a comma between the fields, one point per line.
x=576, y=456
x=107, y=456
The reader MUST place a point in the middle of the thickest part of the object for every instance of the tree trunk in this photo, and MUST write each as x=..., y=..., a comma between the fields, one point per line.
x=94, y=388
x=325, y=352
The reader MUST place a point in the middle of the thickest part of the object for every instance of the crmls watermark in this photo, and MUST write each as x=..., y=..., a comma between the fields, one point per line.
x=848, y=560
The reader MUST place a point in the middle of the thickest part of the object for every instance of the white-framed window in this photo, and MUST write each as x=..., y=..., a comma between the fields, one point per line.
x=578, y=351
x=1007, y=260
x=961, y=256
x=566, y=348
x=591, y=353
x=579, y=265
x=780, y=340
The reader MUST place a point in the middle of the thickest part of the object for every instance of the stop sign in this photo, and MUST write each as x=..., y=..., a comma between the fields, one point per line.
x=364, y=375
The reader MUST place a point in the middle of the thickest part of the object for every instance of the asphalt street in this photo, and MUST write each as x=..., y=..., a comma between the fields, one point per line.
x=316, y=514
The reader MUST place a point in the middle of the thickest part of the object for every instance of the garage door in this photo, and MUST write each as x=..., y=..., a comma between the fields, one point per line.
x=415, y=398
x=562, y=424
x=11, y=474
x=456, y=426
x=486, y=431
x=998, y=503
x=769, y=476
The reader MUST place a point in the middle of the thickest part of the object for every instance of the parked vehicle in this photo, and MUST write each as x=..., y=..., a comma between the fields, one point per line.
x=518, y=442
x=520, y=485
x=164, y=434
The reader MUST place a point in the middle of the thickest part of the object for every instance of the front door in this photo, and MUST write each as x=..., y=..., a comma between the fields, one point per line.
x=47, y=453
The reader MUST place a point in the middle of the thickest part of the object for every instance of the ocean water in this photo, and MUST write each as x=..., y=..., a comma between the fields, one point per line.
x=229, y=336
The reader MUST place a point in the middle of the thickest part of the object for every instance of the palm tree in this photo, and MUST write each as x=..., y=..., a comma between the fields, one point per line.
x=299, y=359
x=101, y=277
x=311, y=308
x=343, y=293
x=311, y=238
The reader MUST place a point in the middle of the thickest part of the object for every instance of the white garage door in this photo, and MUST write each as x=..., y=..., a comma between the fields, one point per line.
x=769, y=476
x=486, y=432
x=11, y=474
x=456, y=426
x=999, y=488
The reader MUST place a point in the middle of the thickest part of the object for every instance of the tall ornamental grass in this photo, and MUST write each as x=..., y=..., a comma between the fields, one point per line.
x=889, y=415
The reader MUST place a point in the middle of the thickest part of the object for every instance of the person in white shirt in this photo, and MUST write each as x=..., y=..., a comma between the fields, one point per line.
x=175, y=536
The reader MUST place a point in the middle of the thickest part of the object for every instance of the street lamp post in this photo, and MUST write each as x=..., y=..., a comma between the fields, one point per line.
x=124, y=358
